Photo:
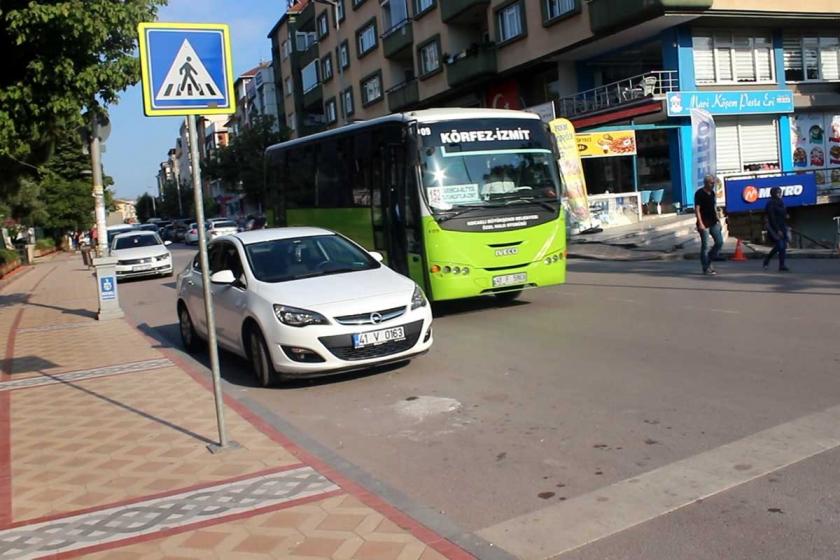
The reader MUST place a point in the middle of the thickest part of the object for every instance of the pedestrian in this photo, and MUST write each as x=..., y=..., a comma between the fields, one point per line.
x=776, y=216
x=708, y=224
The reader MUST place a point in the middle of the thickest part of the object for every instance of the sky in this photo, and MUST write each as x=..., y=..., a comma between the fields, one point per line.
x=138, y=143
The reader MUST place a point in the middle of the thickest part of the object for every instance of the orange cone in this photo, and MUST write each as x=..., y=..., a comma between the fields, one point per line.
x=739, y=253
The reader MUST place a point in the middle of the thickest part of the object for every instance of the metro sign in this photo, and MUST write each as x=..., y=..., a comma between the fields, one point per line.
x=745, y=195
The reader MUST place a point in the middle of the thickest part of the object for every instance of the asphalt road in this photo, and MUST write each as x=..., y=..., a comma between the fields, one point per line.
x=714, y=394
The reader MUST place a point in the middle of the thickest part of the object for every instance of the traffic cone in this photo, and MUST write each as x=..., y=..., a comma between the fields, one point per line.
x=739, y=253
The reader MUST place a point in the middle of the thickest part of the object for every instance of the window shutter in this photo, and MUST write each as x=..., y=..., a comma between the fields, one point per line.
x=727, y=153
x=764, y=64
x=704, y=59
x=759, y=142
x=829, y=58
x=793, y=52
x=723, y=58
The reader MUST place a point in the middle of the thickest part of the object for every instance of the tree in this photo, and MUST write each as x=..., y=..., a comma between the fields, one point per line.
x=240, y=165
x=146, y=207
x=60, y=57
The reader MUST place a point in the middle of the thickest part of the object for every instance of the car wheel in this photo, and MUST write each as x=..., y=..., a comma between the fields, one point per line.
x=507, y=297
x=260, y=359
x=189, y=338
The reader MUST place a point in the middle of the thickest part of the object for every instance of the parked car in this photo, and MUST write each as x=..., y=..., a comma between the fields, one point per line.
x=217, y=228
x=113, y=231
x=304, y=302
x=141, y=253
x=191, y=235
x=179, y=229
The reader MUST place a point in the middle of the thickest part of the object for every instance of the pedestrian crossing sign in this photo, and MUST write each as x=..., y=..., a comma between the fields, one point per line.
x=186, y=69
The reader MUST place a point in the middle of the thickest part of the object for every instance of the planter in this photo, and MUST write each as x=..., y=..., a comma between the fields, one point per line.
x=45, y=252
x=8, y=267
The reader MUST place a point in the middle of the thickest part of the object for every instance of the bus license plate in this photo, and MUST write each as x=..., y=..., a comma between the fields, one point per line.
x=510, y=279
x=375, y=338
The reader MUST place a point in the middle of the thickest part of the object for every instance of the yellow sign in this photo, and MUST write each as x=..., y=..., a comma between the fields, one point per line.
x=186, y=69
x=572, y=171
x=607, y=144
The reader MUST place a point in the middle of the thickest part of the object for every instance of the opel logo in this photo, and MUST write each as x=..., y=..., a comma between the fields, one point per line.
x=375, y=318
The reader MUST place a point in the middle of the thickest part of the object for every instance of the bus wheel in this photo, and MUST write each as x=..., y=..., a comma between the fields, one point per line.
x=507, y=297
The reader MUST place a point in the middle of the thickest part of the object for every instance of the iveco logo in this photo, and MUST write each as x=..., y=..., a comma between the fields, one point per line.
x=506, y=252
x=375, y=318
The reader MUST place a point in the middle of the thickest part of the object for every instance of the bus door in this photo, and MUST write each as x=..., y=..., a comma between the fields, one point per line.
x=393, y=208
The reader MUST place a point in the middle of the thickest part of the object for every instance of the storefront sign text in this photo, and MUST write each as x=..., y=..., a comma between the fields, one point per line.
x=680, y=104
x=744, y=195
x=607, y=144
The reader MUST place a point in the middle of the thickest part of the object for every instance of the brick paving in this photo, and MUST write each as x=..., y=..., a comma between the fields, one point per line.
x=103, y=452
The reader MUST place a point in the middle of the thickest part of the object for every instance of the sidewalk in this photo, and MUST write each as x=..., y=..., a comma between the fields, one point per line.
x=103, y=452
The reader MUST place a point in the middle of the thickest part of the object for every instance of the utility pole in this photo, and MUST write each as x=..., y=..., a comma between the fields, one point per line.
x=177, y=173
x=98, y=188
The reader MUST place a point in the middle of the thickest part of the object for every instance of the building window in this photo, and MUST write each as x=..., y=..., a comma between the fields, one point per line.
x=323, y=25
x=286, y=49
x=347, y=101
x=555, y=9
x=372, y=88
x=423, y=6
x=326, y=68
x=510, y=22
x=746, y=144
x=290, y=121
x=811, y=57
x=304, y=40
x=394, y=13
x=340, y=10
x=309, y=76
x=357, y=3
x=366, y=39
x=725, y=57
x=429, y=57
x=330, y=111
x=344, y=55
x=290, y=88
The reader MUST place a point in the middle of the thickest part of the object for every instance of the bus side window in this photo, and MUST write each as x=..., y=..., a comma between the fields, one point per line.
x=300, y=188
x=328, y=176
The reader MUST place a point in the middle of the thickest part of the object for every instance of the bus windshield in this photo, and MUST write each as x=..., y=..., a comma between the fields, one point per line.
x=487, y=163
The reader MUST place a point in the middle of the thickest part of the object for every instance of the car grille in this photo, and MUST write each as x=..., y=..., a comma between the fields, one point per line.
x=341, y=346
x=137, y=261
x=365, y=318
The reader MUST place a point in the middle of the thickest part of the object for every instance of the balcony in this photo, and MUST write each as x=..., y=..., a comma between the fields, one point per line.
x=631, y=91
x=397, y=41
x=462, y=11
x=609, y=15
x=403, y=96
x=306, y=57
x=313, y=97
x=474, y=63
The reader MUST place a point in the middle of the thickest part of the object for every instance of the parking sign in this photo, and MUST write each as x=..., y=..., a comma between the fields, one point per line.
x=186, y=69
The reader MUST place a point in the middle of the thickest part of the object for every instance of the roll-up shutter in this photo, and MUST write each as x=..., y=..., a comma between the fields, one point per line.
x=745, y=141
x=727, y=153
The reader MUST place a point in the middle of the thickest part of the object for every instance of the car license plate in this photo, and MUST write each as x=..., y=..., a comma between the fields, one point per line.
x=375, y=338
x=510, y=279
x=141, y=267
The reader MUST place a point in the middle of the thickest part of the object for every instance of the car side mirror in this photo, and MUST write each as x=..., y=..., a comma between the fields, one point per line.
x=377, y=256
x=223, y=277
x=167, y=242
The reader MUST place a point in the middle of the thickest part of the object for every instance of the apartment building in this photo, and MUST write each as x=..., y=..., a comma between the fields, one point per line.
x=767, y=70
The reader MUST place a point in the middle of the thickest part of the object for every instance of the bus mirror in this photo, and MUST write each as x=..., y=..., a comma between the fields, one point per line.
x=377, y=256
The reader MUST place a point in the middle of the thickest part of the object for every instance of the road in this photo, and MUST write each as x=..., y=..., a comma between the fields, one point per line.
x=528, y=425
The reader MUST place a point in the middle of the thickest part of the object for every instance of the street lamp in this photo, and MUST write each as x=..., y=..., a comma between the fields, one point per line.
x=335, y=5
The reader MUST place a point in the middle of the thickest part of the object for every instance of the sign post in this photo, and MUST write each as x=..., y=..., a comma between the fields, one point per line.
x=187, y=71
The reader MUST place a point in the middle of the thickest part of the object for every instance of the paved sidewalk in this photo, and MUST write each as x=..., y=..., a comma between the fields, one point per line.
x=103, y=452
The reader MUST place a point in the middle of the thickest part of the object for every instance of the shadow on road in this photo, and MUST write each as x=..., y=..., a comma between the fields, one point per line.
x=472, y=305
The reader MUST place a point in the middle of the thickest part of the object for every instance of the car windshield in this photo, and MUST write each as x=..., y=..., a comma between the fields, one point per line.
x=135, y=241
x=281, y=260
x=487, y=163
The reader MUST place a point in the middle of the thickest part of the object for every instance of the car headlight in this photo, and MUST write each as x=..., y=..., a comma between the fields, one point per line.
x=417, y=298
x=295, y=317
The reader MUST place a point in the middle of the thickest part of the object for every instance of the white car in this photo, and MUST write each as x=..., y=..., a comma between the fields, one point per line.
x=141, y=253
x=191, y=235
x=304, y=302
x=217, y=228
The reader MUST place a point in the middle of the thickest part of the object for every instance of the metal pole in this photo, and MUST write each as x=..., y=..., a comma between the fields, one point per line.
x=154, y=207
x=205, y=280
x=98, y=189
x=177, y=173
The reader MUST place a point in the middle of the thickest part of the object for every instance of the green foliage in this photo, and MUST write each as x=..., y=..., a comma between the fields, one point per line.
x=145, y=206
x=240, y=165
x=60, y=57
x=168, y=206
x=45, y=244
x=7, y=256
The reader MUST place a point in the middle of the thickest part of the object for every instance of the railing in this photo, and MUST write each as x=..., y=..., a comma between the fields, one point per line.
x=630, y=90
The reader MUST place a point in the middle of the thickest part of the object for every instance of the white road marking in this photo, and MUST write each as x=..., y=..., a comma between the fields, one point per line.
x=712, y=309
x=551, y=531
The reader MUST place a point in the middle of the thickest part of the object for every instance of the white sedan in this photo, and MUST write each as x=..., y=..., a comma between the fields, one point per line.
x=304, y=302
x=141, y=253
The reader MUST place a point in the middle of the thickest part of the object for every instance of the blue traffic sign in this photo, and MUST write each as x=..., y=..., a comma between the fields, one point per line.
x=186, y=69
x=107, y=288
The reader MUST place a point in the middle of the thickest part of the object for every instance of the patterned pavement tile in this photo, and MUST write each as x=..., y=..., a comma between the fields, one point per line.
x=124, y=439
x=82, y=375
x=148, y=517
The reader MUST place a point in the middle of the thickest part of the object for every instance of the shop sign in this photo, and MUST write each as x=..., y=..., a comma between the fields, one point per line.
x=680, y=104
x=815, y=144
x=744, y=195
x=544, y=110
x=572, y=170
x=703, y=145
x=607, y=144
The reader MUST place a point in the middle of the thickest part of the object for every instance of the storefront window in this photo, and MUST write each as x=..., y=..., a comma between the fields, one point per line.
x=746, y=144
x=811, y=57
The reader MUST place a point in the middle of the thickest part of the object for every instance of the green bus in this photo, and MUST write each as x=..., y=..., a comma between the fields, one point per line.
x=463, y=201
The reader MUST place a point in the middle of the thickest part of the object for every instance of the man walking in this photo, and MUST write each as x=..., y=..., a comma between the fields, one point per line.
x=777, y=228
x=708, y=224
